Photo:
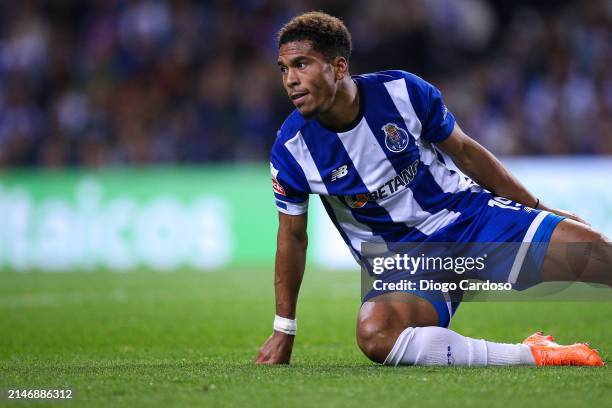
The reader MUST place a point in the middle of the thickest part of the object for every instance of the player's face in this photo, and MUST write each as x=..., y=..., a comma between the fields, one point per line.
x=307, y=77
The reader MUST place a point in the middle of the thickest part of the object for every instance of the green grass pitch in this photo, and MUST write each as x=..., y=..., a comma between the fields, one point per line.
x=189, y=339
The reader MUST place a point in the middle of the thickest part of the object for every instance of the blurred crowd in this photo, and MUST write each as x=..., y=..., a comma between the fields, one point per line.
x=106, y=82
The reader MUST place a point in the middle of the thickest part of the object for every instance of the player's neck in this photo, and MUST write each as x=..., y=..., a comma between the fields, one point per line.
x=344, y=111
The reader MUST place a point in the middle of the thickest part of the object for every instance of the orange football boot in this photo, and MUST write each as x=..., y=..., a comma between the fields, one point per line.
x=548, y=353
x=538, y=339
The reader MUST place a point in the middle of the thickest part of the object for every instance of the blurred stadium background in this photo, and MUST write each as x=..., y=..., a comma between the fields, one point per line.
x=136, y=133
x=114, y=82
x=134, y=136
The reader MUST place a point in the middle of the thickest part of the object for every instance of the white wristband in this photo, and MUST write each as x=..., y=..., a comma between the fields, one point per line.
x=284, y=325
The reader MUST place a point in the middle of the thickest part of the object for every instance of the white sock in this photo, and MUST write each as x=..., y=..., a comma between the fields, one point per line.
x=439, y=346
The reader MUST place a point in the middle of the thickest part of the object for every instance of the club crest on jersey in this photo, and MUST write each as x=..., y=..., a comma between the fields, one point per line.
x=396, y=138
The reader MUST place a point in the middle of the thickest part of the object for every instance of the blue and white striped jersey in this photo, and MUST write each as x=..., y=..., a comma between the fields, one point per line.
x=382, y=180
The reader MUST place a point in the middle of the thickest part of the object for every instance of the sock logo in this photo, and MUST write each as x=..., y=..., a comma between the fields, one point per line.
x=449, y=356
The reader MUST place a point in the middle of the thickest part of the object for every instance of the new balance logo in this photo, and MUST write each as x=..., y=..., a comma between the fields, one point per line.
x=339, y=172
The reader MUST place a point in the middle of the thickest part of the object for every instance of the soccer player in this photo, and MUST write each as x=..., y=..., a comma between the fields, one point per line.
x=347, y=140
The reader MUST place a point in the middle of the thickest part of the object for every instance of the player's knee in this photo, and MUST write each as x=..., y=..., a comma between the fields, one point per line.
x=595, y=236
x=375, y=338
x=601, y=238
x=380, y=323
x=573, y=231
x=378, y=327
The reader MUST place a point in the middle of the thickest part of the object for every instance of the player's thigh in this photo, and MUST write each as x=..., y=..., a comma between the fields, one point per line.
x=568, y=250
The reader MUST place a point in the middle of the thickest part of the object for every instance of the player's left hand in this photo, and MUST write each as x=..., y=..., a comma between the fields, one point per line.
x=276, y=350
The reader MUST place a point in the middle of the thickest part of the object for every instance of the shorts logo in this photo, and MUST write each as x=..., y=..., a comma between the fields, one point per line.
x=396, y=138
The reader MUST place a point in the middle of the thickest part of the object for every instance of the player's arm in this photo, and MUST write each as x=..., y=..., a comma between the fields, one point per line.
x=485, y=169
x=291, y=243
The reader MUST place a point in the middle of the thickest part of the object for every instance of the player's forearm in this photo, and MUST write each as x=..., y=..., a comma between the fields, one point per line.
x=485, y=169
x=289, y=270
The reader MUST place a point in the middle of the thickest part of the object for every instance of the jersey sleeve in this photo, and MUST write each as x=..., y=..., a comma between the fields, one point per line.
x=288, y=182
x=439, y=122
x=436, y=120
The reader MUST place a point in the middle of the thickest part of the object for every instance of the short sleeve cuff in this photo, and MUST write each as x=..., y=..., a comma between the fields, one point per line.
x=292, y=208
x=444, y=130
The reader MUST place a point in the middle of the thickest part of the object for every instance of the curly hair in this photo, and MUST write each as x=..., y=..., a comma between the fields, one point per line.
x=328, y=34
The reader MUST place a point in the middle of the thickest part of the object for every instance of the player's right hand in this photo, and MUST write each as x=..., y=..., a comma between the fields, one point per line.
x=276, y=350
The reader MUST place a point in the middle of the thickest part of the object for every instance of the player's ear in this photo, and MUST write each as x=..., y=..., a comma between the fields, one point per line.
x=340, y=65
